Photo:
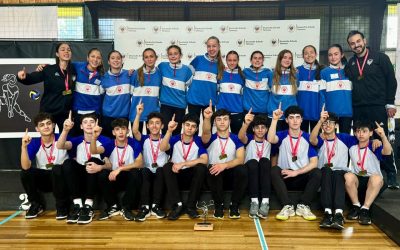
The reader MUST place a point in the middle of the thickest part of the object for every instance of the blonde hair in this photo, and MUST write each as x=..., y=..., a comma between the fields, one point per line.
x=278, y=72
x=220, y=63
x=141, y=69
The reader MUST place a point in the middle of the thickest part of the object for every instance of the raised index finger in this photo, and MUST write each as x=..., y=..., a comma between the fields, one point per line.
x=97, y=122
x=323, y=107
x=173, y=118
x=70, y=115
x=251, y=108
x=26, y=131
x=140, y=101
x=377, y=124
x=280, y=105
x=210, y=104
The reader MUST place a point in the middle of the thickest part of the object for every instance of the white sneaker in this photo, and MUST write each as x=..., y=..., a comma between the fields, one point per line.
x=286, y=212
x=305, y=212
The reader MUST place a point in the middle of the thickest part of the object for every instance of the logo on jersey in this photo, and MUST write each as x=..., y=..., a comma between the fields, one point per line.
x=370, y=61
x=284, y=89
x=119, y=89
x=148, y=91
x=308, y=86
x=231, y=87
x=172, y=83
x=340, y=84
x=88, y=88
x=258, y=84
x=209, y=76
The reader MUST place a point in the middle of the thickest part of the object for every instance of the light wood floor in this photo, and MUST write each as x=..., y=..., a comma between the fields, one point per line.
x=116, y=233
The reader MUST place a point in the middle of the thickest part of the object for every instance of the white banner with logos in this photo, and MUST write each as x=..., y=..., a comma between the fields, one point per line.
x=270, y=37
x=397, y=100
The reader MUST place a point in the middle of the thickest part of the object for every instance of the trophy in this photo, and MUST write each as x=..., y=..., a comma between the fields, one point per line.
x=204, y=226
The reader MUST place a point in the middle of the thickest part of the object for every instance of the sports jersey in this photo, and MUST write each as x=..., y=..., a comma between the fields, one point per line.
x=283, y=94
x=149, y=146
x=371, y=160
x=191, y=150
x=257, y=150
x=81, y=149
x=256, y=92
x=221, y=150
x=126, y=154
x=230, y=91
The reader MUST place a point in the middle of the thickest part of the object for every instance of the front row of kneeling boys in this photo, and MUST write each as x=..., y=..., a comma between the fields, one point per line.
x=79, y=168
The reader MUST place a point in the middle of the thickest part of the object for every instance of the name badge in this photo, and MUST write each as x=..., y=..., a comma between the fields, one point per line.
x=335, y=76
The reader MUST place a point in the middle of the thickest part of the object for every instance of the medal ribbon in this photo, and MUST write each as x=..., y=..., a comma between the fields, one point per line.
x=155, y=153
x=50, y=158
x=360, y=162
x=121, y=160
x=330, y=152
x=361, y=69
x=65, y=79
x=260, y=153
x=186, y=154
x=224, y=146
x=296, y=147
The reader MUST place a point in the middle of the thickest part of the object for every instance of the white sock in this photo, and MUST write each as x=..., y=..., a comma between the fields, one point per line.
x=78, y=202
x=254, y=200
x=340, y=211
x=364, y=207
x=89, y=202
x=153, y=205
x=265, y=200
x=328, y=210
x=358, y=204
x=179, y=203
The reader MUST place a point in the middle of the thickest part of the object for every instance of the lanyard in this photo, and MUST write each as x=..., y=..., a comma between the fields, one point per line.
x=224, y=146
x=186, y=154
x=155, y=153
x=88, y=155
x=65, y=79
x=361, y=69
x=296, y=147
x=260, y=152
x=330, y=152
x=50, y=158
x=360, y=161
x=121, y=160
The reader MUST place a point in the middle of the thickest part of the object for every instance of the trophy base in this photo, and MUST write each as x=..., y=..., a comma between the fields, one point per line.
x=203, y=226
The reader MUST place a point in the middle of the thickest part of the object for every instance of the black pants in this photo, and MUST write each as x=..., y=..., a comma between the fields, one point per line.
x=237, y=177
x=236, y=122
x=80, y=183
x=168, y=112
x=332, y=188
x=309, y=182
x=128, y=181
x=191, y=178
x=259, y=178
x=36, y=180
x=308, y=125
x=152, y=186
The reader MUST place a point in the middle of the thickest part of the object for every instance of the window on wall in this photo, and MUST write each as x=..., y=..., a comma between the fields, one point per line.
x=70, y=23
x=391, y=27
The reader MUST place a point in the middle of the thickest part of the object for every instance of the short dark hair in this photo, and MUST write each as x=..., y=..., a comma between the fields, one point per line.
x=333, y=117
x=221, y=112
x=156, y=115
x=190, y=117
x=120, y=122
x=90, y=115
x=260, y=120
x=291, y=110
x=354, y=32
x=41, y=117
x=362, y=124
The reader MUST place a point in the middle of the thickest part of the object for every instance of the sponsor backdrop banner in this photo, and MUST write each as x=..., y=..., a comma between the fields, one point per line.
x=270, y=37
x=397, y=68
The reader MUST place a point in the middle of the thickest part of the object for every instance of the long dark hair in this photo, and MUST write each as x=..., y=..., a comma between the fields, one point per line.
x=70, y=69
x=344, y=59
x=318, y=66
x=99, y=68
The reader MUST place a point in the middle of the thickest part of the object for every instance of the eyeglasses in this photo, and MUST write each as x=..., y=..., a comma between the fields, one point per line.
x=330, y=123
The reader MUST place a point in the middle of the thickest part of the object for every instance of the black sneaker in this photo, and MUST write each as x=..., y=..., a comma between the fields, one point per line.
x=143, y=214
x=353, y=213
x=219, y=211
x=364, y=217
x=338, y=221
x=158, y=212
x=61, y=213
x=127, y=214
x=34, y=210
x=234, y=212
x=392, y=181
x=175, y=213
x=326, y=221
x=192, y=212
x=109, y=212
x=86, y=215
x=74, y=214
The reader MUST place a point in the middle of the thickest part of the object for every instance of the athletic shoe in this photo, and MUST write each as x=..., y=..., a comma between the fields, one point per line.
x=364, y=217
x=326, y=221
x=192, y=212
x=61, y=213
x=109, y=212
x=391, y=181
x=142, y=214
x=305, y=212
x=176, y=212
x=158, y=212
x=286, y=212
x=127, y=214
x=253, y=209
x=234, y=212
x=338, y=221
x=353, y=213
x=34, y=210
x=219, y=211
x=86, y=215
x=74, y=214
x=263, y=211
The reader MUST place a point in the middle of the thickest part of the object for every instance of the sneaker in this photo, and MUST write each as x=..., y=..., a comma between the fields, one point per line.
x=305, y=212
x=392, y=181
x=61, y=213
x=338, y=221
x=353, y=213
x=253, y=209
x=127, y=214
x=286, y=212
x=364, y=217
x=86, y=215
x=109, y=212
x=234, y=212
x=192, y=212
x=143, y=214
x=263, y=211
x=219, y=211
x=74, y=214
x=158, y=212
x=34, y=210
x=326, y=221
x=176, y=212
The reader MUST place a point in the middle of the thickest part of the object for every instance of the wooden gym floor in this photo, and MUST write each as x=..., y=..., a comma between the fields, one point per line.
x=116, y=233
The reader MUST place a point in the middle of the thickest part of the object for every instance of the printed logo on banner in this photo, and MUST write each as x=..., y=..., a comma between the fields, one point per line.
x=156, y=29
x=291, y=28
x=173, y=42
x=139, y=43
x=123, y=29
x=190, y=55
x=223, y=56
x=240, y=42
x=223, y=28
x=274, y=42
x=189, y=29
x=257, y=28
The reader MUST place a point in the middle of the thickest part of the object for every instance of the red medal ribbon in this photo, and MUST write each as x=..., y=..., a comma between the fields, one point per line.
x=361, y=69
x=88, y=154
x=155, y=153
x=360, y=162
x=121, y=160
x=296, y=147
x=220, y=144
x=260, y=152
x=186, y=154
x=330, y=152
x=65, y=79
x=50, y=158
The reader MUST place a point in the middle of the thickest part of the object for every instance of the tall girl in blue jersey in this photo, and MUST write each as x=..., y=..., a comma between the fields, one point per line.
x=146, y=82
x=309, y=95
x=117, y=88
x=338, y=88
x=283, y=86
x=230, y=91
x=208, y=68
x=175, y=79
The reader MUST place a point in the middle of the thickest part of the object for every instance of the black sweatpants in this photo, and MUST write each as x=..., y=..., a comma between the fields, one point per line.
x=237, y=177
x=190, y=178
x=168, y=112
x=332, y=188
x=128, y=181
x=259, y=178
x=35, y=180
x=152, y=186
x=309, y=182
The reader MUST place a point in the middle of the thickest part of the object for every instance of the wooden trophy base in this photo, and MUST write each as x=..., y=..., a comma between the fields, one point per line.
x=203, y=226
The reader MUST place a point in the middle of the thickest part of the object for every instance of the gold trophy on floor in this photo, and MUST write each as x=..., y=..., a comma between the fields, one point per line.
x=204, y=226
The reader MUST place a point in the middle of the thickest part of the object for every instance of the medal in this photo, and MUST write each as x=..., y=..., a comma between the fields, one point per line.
x=330, y=152
x=186, y=154
x=154, y=165
x=361, y=69
x=360, y=78
x=223, y=156
x=67, y=92
x=154, y=153
x=294, y=148
x=294, y=158
x=49, y=165
x=328, y=165
x=50, y=157
x=260, y=152
x=121, y=161
x=360, y=162
x=362, y=173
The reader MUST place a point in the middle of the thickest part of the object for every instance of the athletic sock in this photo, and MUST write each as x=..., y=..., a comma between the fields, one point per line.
x=89, y=202
x=78, y=202
x=328, y=210
x=265, y=200
x=254, y=200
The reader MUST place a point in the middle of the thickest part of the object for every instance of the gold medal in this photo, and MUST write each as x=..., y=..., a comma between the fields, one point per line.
x=67, y=92
x=223, y=156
